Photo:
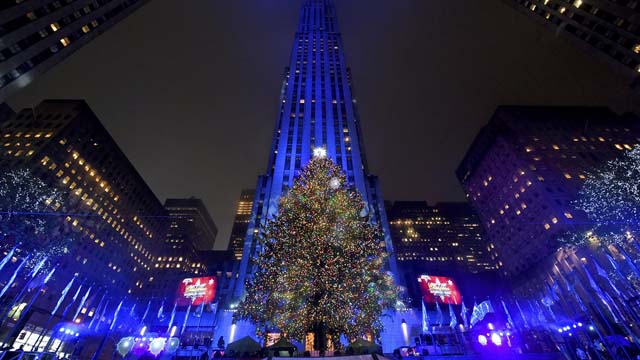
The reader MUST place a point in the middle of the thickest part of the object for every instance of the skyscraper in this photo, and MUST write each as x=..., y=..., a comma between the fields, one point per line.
x=317, y=113
x=241, y=223
x=36, y=35
x=446, y=239
x=525, y=169
x=608, y=29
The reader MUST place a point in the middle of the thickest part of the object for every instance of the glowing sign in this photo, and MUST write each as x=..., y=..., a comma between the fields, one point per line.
x=439, y=288
x=197, y=290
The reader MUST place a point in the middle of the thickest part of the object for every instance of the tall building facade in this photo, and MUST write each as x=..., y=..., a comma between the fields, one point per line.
x=63, y=143
x=115, y=222
x=191, y=233
x=446, y=239
x=608, y=29
x=525, y=168
x=317, y=110
x=241, y=222
x=36, y=35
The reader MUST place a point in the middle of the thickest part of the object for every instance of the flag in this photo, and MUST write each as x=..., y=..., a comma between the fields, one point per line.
x=213, y=307
x=509, y=319
x=463, y=313
x=7, y=257
x=37, y=268
x=132, y=312
x=425, y=319
x=439, y=316
x=173, y=314
x=479, y=311
x=13, y=277
x=102, y=315
x=96, y=312
x=186, y=316
x=598, y=292
x=115, y=315
x=199, y=310
x=48, y=277
x=524, y=318
x=604, y=274
x=452, y=315
x=62, y=296
x=84, y=299
x=161, y=311
x=146, y=311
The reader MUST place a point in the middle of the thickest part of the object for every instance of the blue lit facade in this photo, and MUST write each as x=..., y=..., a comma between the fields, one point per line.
x=317, y=110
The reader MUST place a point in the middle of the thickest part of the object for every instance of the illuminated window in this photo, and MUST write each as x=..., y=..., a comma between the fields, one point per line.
x=554, y=220
x=85, y=29
x=577, y=3
x=567, y=176
x=547, y=226
x=555, y=147
x=562, y=10
x=65, y=41
x=618, y=146
x=55, y=26
x=568, y=215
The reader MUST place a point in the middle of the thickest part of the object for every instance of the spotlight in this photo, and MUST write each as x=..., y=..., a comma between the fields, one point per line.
x=61, y=329
x=490, y=326
x=482, y=340
x=580, y=324
x=496, y=339
x=77, y=334
x=591, y=328
x=560, y=330
x=575, y=326
x=143, y=330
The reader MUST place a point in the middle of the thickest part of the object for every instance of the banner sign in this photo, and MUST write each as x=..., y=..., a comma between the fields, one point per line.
x=439, y=289
x=197, y=290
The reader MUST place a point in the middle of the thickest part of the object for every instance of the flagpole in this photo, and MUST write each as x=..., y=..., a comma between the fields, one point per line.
x=19, y=296
x=63, y=316
x=53, y=312
x=28, y=307
x=98, y=351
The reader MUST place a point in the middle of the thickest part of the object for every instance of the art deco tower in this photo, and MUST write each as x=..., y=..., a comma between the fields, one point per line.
x=317, y=111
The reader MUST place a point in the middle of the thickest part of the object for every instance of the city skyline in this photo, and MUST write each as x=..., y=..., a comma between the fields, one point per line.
x=413, y=158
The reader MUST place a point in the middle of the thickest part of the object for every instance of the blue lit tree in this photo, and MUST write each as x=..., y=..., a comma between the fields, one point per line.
x=27, y=216
x=610, y=197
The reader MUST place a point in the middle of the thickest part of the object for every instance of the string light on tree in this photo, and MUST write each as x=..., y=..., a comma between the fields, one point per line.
x=321, y=264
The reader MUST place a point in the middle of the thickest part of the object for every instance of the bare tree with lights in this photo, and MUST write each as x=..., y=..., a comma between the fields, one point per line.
x=321, y=264
x=27, y=218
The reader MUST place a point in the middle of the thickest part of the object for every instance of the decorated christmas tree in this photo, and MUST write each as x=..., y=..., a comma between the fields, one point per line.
x=321, y=264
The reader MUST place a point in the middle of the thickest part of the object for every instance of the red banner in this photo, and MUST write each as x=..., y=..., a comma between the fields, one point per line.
x=197, y=290
x=439, y=288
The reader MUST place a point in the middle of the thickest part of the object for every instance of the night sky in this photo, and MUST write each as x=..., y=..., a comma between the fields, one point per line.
x=189, y=89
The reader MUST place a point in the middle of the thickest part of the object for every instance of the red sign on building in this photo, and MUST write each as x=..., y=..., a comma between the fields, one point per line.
x=439, y=288
x=197, y=290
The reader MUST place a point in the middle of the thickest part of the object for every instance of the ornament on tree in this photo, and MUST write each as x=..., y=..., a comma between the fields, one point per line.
x=334, y=183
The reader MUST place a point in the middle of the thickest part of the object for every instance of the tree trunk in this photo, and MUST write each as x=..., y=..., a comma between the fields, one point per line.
x=320, y=338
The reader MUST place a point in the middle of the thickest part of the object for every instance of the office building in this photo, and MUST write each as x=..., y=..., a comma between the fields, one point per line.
x=525, y=168
x=241, y=222
x=443, y=240
x=37, y=35
x=606, y=29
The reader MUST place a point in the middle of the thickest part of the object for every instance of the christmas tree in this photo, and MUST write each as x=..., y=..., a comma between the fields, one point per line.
x=321, y=264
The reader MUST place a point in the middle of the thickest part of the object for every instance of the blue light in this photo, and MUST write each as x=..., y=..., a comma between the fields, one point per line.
x=61, y=329
x=490, y=326
x=496, y=339
x=580, y=324
x=482, y=340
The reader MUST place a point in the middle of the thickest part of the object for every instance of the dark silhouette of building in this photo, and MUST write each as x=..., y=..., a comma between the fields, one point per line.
x=36, y=35
x=241, y=223
x=607, y=29
x=525, y=168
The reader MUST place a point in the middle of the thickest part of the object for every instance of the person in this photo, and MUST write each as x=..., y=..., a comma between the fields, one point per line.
x=221, y=342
